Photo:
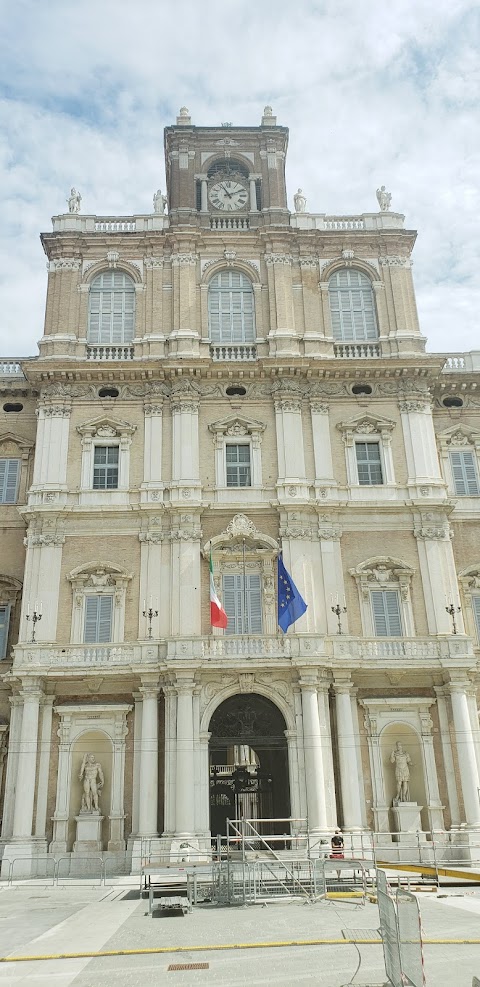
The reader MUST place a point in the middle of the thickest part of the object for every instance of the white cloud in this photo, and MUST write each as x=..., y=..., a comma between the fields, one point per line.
x=372, y=95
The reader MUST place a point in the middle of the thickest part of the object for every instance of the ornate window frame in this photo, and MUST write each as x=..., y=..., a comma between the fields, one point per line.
x=383, y=572
x=469, y=579
x=10, y=591
x=458, y=438
x=239, y=430
x=98, y=578
x=368, y=428
x=105, y=432
x=241, y=540
x=13, y=447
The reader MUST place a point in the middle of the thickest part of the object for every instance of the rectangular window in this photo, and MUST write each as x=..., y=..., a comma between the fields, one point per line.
x=464, y=474
x=387, y=619
x=242, y=599
x=476, y=613
x=9, y=476
x=98, y=619
x=238, y=466
x=4, y=622
x=105, y=468
x=369, y=463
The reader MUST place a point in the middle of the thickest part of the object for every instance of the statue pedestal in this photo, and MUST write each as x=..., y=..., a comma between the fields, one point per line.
x=89, y=833
x=408, y=822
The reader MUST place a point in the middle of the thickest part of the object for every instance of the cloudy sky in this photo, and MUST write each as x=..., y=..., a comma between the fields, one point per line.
x=373, y=93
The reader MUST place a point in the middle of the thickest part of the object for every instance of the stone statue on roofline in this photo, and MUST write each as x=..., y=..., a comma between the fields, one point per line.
x=74, y=200
x=384, y=199
x=299, y=201
x=159, y=202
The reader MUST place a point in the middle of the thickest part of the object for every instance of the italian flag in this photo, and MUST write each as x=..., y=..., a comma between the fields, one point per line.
x=218, y=617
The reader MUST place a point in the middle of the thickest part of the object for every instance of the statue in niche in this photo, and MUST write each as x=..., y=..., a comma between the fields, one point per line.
x=93, y=781
x=384, y=199
x=299, y=201
x=159, y=202
x=402, y=760
x=74, y=200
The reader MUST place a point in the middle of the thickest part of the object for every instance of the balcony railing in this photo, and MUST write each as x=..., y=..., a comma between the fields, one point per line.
x=356, y=351
x=229, y=223
x=105, y=353
x=466, y=362
x=11, y=368
x=412, y=648
x=115, y=226
x=344, y=223
x=233, y=352
x=85, y=655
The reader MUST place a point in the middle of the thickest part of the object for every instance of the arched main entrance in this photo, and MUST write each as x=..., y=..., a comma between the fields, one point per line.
x=248, y=762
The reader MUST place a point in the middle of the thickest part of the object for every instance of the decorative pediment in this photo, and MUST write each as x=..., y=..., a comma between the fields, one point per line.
x=470, y=577
x=10, y=589
x=99, y=577
x=240, y=530
x=367, y=425
x=237, y=425
x=384, y=571
x=14, y=445
x=106, y=428
x=459, y=435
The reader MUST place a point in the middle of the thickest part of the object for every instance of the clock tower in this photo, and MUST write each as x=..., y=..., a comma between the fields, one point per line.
x=226, y=178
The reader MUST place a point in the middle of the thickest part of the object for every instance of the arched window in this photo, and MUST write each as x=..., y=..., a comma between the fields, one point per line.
x=352, y=306
x=111, y=310
x=231, y=313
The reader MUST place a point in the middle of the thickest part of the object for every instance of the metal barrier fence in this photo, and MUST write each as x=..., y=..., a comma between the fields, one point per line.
x=401, y=932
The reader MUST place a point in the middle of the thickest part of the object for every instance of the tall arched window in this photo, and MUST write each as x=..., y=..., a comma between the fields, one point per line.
x=111, y=309
x=231, y=314
x=352, y=306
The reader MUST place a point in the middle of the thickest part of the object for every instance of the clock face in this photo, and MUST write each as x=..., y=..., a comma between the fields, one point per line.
x=228, y=195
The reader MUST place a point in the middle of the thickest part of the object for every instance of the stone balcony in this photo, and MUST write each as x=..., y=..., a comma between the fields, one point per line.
x=462, y=362
x=294, y=648
x=11, y=368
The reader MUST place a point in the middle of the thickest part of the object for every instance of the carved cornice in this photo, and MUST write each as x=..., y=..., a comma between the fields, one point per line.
x=271, y=259
x=184, y=260
x=395, y=261
x=64, y=264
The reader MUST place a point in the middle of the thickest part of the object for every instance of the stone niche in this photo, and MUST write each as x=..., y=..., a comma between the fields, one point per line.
x=97, y=743
x=412, y=745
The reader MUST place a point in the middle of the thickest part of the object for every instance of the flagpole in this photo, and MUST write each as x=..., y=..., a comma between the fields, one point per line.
x=244, y=587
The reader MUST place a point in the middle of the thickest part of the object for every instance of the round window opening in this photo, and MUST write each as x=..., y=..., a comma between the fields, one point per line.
x=452, y=402
x=235, y=390
x=13, y=407
x=361, y=389
x=108, y=392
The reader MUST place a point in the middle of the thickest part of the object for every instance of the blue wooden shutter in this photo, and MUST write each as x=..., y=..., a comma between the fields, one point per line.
x=98, y=619
x=235, y=599
x=9, y=475
x=464, y=473
x=4, y=622
x=386, y=613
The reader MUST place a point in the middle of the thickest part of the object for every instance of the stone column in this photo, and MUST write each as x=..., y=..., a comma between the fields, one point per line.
x=315, y=779
x=42, y=578
x=253, y=195
x=434, y=805
x=137, y=742
x=381, y=822
x=420, y=446
x=185, y=768
x=64, y=772
x=12, y=765
x=437, y=566
x=322, y=448
x=185, y=443
x=467, y=761
x=152, y=450
x=117, y=813
x=282, y=334
x=44, y=766
x=448, y=764
x=184, y=339
x=290, y=452
x=27, y=760
x=293, y=775
x=348, y=741
x=148, y=808
x=204, y=195
x=327, y=751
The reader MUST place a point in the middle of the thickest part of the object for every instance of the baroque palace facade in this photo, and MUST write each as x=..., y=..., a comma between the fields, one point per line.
x=223, y=376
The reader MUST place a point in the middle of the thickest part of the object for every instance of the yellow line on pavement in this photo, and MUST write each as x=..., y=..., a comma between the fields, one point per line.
x=215, y=948
x=427, y=869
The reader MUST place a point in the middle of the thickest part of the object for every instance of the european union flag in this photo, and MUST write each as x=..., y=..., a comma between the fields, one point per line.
x=291, y=604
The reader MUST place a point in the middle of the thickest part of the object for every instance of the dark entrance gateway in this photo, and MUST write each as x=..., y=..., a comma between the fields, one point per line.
x=248, y=763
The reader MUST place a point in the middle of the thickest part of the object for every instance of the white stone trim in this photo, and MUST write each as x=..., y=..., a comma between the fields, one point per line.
x=368, y=428
x=384, y=573
x=105, y=432
x=98, y=578
x=241, y=431
x=458, y=438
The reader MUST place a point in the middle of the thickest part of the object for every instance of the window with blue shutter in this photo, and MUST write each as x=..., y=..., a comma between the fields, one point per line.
x=387, y=619
x=369, y=463
x=111, y=309
x=238, y=465
x=352, y=306
x=4, y=623
x=231, y=315
x=464, y=471
x=105, y=468
x=98, y=619
x=242, y=600
x=476, y=613
x=9, y=477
